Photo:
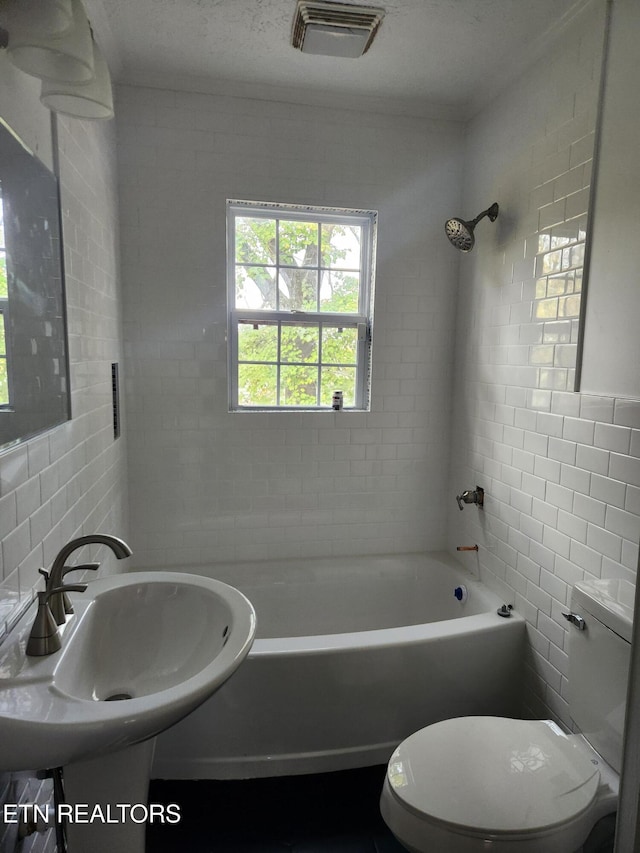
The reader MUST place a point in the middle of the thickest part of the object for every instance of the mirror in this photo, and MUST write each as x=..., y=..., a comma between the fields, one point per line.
x=34, y=382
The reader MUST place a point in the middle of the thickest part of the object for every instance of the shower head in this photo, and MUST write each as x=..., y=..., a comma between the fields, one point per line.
x=460, y=232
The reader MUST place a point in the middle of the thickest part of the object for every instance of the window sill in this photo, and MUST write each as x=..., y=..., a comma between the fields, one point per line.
x=296, y=410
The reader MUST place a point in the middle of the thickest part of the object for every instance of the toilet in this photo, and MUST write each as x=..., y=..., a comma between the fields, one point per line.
x=472, y=784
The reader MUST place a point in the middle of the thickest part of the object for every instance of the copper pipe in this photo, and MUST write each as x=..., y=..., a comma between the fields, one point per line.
x=467, y=548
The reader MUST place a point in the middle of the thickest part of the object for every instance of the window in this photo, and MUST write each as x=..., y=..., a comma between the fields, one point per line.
x=300, y=305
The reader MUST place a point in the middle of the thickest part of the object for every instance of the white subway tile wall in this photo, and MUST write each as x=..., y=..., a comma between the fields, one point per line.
x=210, y=486
x=560, y=470
x=72, y=480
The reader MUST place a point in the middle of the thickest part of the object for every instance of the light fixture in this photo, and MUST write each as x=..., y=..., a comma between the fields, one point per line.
x=460, y=232
x=90, y=100
x=42, y=19
x=62, y=55
x=334, y=29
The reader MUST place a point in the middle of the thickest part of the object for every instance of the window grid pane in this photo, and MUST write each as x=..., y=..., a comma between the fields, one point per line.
x=293, y=364
x=337, y=378
x=280, y=268
x=340, y=246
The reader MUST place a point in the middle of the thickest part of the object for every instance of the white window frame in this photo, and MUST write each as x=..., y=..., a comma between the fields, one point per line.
x=4, y=313
x=362, y=320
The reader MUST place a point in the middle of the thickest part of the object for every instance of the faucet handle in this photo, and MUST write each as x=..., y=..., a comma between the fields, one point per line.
x=68, y=607
x=45, y=595
x=71, y=587
x=44, y=638
x=93, y=567
x=467, y=497
x=471, y=497
x=60, y=605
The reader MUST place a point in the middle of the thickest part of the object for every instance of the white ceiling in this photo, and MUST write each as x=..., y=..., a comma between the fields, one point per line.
x=438, y=57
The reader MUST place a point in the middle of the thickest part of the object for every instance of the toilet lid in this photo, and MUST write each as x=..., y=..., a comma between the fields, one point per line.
x=493, y=774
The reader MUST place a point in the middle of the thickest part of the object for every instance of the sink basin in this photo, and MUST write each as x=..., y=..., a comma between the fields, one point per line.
x=141, y=651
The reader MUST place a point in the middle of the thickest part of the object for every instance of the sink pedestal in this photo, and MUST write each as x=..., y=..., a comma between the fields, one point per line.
x=109, y=781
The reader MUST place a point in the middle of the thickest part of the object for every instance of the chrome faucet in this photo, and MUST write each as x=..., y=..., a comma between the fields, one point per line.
x=60, y=605
x=44, y=638
x=469, y=497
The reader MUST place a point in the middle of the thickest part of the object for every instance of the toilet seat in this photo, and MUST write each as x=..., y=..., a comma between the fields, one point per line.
x=494, y=775
x=491, y=778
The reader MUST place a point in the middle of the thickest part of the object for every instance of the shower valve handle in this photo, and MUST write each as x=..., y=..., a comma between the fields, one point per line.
x=471, y=497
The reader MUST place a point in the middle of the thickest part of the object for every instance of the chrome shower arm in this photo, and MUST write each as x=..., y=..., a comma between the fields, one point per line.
x=491, y=212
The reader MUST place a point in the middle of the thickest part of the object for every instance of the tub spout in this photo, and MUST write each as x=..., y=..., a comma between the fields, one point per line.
x=471, y=497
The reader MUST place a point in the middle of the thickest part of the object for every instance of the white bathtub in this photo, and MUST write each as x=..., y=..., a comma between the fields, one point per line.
x=351, y=656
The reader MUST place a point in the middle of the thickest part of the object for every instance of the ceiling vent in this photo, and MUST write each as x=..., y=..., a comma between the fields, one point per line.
x=334, y=29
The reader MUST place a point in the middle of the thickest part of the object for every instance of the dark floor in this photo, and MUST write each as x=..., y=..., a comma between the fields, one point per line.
x=325, y=813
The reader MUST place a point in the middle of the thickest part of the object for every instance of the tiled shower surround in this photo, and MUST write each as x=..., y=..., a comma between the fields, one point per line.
x=561, y=471
x=208, y=485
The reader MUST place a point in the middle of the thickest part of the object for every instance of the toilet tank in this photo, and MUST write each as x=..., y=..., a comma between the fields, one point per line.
x=599, y=663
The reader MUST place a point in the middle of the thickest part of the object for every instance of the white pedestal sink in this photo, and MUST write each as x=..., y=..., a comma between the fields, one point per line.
x=109, y=781
x=141, y=652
